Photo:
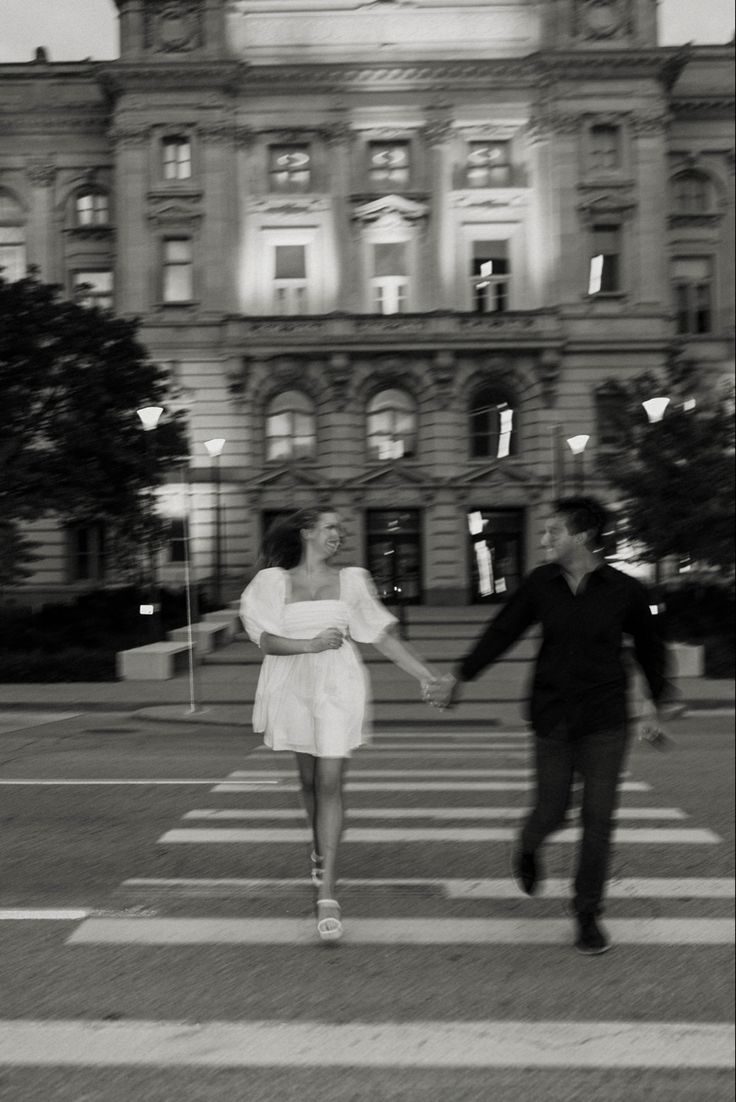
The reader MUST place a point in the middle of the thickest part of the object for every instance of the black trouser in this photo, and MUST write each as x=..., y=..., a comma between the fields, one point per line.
x=598, y=759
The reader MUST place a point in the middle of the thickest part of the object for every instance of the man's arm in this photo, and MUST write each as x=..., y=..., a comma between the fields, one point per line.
x=650, y=648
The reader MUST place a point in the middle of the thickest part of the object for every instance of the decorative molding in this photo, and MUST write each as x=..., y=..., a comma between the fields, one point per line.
x=443, y=375
x=704, y=106
x=390, y=211
x=488, y=198
x=336, y=133
x=644, y=124
x=339, y=373
x=127, y=137
x=546, y=122
x=439, y=131
x=41, y=173
x=603, y=19
x=285, y=205
x=611, y=202
x=176, y=27
x=177, y=210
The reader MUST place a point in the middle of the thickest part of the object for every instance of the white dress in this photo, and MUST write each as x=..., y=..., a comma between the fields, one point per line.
x=313, y=703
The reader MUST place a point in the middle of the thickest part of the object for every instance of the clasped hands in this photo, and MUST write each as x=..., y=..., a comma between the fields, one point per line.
x=440, y=691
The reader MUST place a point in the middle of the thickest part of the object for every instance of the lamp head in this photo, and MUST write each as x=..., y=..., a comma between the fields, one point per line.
x=149, y=416
x=214, y=447
x=655, y=408
x=577, y=444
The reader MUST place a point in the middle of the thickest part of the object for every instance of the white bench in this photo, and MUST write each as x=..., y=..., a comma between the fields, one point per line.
x=153, y=661
x=207, y=635
x=225, y=616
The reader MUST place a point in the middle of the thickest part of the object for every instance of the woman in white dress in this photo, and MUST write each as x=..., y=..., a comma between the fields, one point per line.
x=313, y=695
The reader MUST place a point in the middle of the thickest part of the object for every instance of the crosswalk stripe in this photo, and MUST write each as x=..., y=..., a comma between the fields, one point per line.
x=413, y=1044
x=427, y=786
x=399, y=749
x=218, y=813
x=552, y=887
x=481, y=733
x=395, y=931
x=383, y=835
x=277, y=774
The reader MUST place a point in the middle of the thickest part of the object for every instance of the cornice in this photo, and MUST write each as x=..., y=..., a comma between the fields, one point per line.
x=711, y=106
x=121, y=77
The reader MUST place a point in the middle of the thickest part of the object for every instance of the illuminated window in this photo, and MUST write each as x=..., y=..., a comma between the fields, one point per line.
x=493, y=425
x=489, y=273
x=93, y=289
x=391, y=425
x=605, y=261
x=87, y=552
x=605, y=148
x=178, y=269
x=290, y=279
x=390, y=279
x=12, y=238
x=692, y=193
x=289, y=167
x=692, y=285
x=389, y=165
x=177, y=158
x=290, y=427
x=488, y=164
x=92, y=209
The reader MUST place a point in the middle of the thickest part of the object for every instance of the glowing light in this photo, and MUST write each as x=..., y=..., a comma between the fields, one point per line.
x=149, y=416
x=577, y=444
x=504, y=438
x=655, y=408
x=595, y=278
x=214, y=447
x=476, y=523
x=485, y=568
x=146, y=610
x=689, y=404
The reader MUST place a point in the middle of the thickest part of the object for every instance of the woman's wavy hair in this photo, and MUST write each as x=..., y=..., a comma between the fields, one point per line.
x=282, y=543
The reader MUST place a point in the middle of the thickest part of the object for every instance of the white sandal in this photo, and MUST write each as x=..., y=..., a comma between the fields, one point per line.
x=329, y=928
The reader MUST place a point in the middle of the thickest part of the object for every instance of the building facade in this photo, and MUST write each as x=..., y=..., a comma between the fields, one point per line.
x=392, y=252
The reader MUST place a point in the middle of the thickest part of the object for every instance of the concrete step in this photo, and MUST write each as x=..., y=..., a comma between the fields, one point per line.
x=437, y=649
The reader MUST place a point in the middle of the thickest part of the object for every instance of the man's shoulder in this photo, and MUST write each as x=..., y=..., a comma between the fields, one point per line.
x=544, y=573
x=625, y=581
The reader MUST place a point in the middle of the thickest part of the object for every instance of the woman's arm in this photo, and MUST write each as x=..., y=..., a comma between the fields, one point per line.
x=398, y=652
x=329, y=639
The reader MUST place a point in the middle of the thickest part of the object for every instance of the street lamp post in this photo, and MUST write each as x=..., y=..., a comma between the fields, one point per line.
x=577, y=445
x=214, y=449
x=149, y=417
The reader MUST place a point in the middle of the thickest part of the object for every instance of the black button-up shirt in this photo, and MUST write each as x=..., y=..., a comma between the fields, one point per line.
x=579, y=678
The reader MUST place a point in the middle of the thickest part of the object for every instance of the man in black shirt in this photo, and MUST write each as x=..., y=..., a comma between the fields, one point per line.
x=578, y=703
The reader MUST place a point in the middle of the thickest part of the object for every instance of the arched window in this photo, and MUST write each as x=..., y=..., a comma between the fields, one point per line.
x=12, y=238
x=290, y=427
x=391, y=425
x=692, y=193
x=493, y=425
x=92, y=208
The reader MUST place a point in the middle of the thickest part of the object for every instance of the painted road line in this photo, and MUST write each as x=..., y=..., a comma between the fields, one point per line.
x=553, y=887
x=100, y=782
x=395, y=931
x=218, y=813
x=407, y=1044
x=278, y=774
x=40, y=914
x=487, y=734
x=397, y=749
x=382, y=835
x=430, y=786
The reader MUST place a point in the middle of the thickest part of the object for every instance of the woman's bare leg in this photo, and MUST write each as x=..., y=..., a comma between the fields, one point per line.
x=329, y=775
x=307, y=765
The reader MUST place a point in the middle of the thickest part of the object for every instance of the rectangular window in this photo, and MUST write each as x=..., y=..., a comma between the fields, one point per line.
x=87, y=553
x=290, y=168
x=488, y=164
x=93, y=209
x=489, y=273
x=178, y=269
x=390, y=280
x=692, y=284
x=177, y=158
x=93, y=289
x=177, y=540
x=605, y=261
x=12, y=253
x=389, y=165
x=605, y=148
x=290, y=279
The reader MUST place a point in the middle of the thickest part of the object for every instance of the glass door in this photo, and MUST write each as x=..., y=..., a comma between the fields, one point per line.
x=496, y=539
x=394, y=554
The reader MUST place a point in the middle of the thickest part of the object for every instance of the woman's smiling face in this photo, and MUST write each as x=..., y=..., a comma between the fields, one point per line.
x=327, y=535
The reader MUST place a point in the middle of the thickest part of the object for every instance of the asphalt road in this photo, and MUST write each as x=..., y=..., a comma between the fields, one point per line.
x=155, y=946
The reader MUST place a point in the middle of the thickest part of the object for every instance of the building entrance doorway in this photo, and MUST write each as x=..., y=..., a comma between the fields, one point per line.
x=394, y=554
x=496, y=553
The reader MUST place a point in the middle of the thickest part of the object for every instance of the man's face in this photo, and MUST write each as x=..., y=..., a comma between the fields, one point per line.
x=558, y=541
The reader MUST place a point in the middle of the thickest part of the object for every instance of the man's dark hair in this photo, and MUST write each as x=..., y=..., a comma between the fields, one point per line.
x=583, y=514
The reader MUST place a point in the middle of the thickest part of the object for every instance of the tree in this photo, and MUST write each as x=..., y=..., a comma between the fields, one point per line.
x=676, y=476
x=71, y=379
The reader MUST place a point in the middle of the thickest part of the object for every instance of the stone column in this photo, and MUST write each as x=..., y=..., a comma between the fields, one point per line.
x=220, y=250
x=647, y=240
x=438, y=286
x=338, y=140
x=40, y=247
x=136, y=263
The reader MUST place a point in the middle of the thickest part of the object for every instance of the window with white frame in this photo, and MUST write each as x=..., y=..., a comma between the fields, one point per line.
x=389, y=165
x=692, y=193
x=289, y=167
x=488, y=164
x=92, y=208
x=490, y=276
x=493, y=427
x=604, y=275
x=391, y=425
x=290, y=427
x=692, y=287
x=176, y=158
x=94, y=288
x=290, y=279
x=604, y=147
x=12, y=238
x=390, y=277
x=177, y=281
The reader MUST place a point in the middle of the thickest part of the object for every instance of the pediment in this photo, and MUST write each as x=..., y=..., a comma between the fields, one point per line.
x=288, y=476
x=390, y=209
x=390, y=474
x=502, y=472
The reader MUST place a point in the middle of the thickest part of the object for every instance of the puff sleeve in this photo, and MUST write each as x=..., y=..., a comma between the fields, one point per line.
x=262, y=604
x=368, y=617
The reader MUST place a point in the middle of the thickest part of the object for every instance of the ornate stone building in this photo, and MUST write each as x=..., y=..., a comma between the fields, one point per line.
x=391, y=251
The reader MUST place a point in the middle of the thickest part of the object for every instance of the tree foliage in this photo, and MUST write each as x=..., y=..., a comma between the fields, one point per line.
x=71, y=379
x=675, y=477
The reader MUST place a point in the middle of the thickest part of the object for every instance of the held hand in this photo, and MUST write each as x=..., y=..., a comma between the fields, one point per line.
x=650, y=727
x=329, y=639
x=440, y=693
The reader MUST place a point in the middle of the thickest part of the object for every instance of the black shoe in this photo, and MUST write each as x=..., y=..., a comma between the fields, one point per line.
x=591, y=940
x=526, y=871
